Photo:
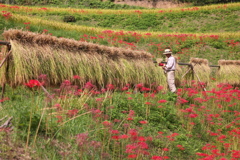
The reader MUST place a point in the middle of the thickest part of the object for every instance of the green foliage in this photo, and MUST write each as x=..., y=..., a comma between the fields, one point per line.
x=69, y=19
x=74, y=3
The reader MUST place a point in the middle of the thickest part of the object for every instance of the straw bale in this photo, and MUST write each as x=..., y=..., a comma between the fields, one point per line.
x=71, y=45
x=229, y=72
x=201, y=68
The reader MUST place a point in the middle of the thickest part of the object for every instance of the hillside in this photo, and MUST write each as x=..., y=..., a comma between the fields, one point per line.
x=80, y=83
x=197, y=30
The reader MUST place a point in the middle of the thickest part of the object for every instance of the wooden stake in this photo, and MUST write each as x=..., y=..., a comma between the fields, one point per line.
x=199, y=80
x=3, y=90
x=5, y=58
x=3, y=61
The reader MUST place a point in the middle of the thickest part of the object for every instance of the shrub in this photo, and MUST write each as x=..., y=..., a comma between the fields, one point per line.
x=69, y=19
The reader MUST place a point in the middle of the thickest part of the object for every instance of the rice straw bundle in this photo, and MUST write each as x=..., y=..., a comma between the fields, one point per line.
x=101, y=65
x=201, y=71
x=25, y=37
x=229, y=72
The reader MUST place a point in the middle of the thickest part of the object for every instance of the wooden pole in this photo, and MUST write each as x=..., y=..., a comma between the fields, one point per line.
x=3, y=61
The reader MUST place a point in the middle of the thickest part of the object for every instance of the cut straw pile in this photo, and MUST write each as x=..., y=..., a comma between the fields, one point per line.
x=229, y=72
x=60, y=59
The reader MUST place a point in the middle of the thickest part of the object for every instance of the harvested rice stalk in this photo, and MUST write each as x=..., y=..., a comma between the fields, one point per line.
x=70, y=45
x=198, y=71
x=28, y=61
x=229, y=72
x=201, y=69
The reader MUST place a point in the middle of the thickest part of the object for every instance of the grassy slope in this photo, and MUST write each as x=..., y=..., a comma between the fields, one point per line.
x=206, y=20
x=59, y=141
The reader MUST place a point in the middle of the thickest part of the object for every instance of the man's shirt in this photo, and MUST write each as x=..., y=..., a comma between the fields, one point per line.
x=171, y=64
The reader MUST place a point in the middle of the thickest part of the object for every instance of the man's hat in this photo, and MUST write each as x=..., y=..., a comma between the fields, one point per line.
x=167, y=51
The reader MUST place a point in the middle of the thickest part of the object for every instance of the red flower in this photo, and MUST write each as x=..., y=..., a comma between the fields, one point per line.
x=157, y=158
x=132, y=156
x=192, y=115
x=124, y=136
x=114, y=131
x=162, y=101
x=72, y=113
x=143, y=122
x=115, y=137
x=33, y=83
x=106, y=123
x=160, y=64
x=76, y=77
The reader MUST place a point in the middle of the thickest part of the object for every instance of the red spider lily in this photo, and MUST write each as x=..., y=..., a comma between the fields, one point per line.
x=124, y=88
x=143, y=122
x=4, y=99
x=43, y=9
x=148, y=103
x=72, y=112
x=114, y=132
x=192, y=115
x=159, y=88
x=115, y=137
x=124, y=136
x=132, y=156
x=165, y=149
x=60, y=118
x=145, y=89
x=110, y=87
x=148, y=34
x=180, y=147
x=140, y=85
x=107, y=123
x=157, y=158
x=131, y=113
x=15, y=7
x=76, y=77
x=129, y=119
x=141, y=139
x=32, y=83
x=236, y=154
x=27, y=23
x=45, y=30
x=89, y=85
x=2, y=5
x=161, y=11
x=7, y=15
x=82, y=139
x=182, y=100
x=208, y=147
x=162, y=101
x=160, y=64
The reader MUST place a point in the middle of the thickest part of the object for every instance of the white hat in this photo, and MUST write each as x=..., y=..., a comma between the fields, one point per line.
x=167, y=51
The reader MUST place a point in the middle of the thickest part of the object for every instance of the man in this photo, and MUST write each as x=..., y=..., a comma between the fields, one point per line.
x=169, y=69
